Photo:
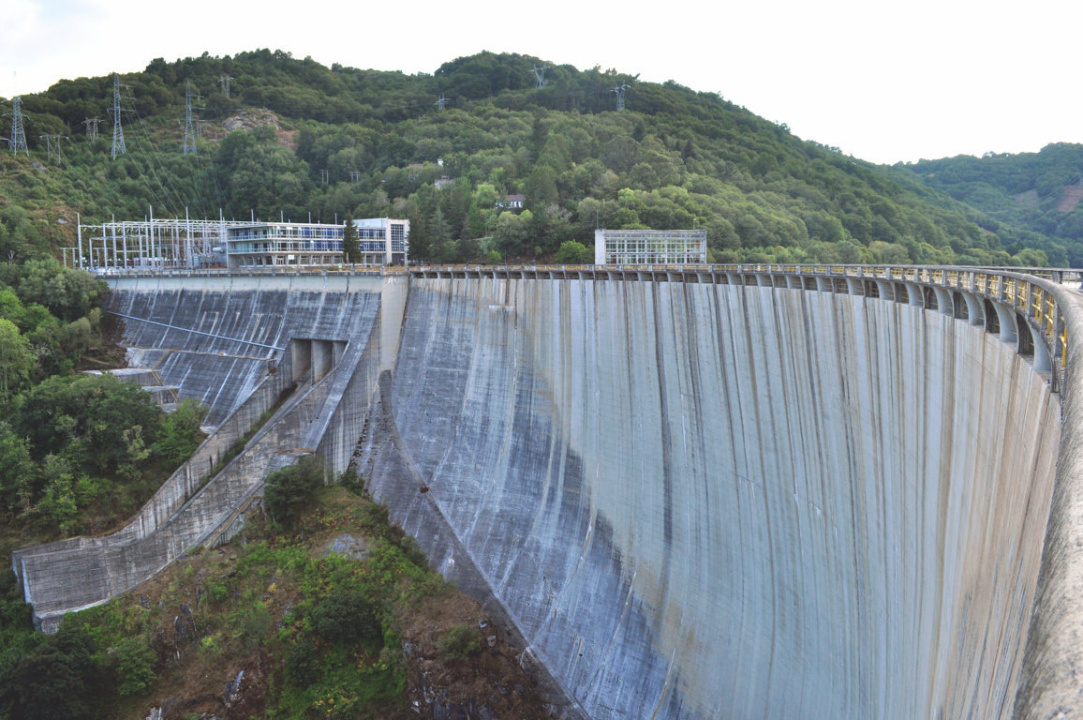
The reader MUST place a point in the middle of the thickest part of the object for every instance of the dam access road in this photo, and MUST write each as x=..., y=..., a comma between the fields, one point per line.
x=696, y=492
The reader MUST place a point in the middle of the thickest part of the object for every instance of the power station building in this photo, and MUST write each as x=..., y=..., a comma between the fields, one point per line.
x=184, y=243
x=382, y=241
x=650, y=247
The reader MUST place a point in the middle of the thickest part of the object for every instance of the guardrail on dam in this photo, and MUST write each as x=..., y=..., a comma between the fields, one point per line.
x=740, y=491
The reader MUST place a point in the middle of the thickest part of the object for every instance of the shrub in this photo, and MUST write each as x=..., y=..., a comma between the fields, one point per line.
x=180, y=434
x=574, y=253
x=347, y=616
x=460, y=643
x=302, y=666
x=135, y=666
x=254, y=625
x=288, y=490
x=217, y=592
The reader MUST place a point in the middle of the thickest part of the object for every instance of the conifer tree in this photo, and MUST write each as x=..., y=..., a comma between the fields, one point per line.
x=351, y=249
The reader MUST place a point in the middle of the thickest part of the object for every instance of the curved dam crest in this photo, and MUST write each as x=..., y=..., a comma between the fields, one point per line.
x=727, y=501
x=694, y=494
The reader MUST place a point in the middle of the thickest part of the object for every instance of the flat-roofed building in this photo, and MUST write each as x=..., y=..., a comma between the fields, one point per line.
x=382, y=241
x=183, y=243
x=260, y=244
x=650, y=247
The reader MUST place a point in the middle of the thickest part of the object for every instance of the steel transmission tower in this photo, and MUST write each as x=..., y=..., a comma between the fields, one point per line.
x=539, y=75
x=441, y=103
x=619, y=90
x=52, y=144
x=189, y=130
x=224, y=81
x=92, y=128
x=18, y=136
x=118, y=129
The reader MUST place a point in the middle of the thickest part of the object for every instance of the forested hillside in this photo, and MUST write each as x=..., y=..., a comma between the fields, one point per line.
x=379, y=635
x=1037, y=193
x=283, y=137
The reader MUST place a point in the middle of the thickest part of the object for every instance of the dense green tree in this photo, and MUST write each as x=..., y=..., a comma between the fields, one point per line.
x=17, y=471
x=261, y=176
x=58, y=503
x=575, y=253
x=180, y=431
x=84, y=419
x=351, y=248
x=286, y=491
x=541, y=188
x=59, y=680
x=135, y=661
x=347, y=616
x=17, y=361
x=67, y=294
x=510, y=232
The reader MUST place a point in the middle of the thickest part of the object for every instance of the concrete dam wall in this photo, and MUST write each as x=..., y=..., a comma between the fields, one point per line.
x=216, y=339
x=723, y=501
x=314, y=347
x=729, y=495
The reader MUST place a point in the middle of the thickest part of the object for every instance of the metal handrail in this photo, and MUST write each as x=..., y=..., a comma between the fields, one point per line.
x=1028, y=291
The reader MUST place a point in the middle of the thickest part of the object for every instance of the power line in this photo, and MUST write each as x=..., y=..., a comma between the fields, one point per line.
x=91, y=128
x=18, y=136
x=52, y=144
x=170, y=203
x=173, y=203
x=539, y=75
x=118, y=130
x=189, y=130
x=619, y=90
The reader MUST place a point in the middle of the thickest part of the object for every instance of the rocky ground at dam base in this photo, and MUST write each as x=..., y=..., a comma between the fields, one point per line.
x=223, y=629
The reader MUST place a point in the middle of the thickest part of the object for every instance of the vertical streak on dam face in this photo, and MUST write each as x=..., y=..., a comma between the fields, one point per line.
x=715, y=501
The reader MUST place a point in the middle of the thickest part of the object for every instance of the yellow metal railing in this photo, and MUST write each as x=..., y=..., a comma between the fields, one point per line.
x=1002, y=285
x=1036, y=303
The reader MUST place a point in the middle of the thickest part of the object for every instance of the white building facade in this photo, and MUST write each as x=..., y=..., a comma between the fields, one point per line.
x=382, y=241
x=650, y=247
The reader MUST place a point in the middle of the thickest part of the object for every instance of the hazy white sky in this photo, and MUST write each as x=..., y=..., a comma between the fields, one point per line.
x=883, y=82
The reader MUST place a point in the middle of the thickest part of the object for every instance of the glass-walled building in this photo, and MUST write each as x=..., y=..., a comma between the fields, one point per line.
x=650, y=247
x=382, y=241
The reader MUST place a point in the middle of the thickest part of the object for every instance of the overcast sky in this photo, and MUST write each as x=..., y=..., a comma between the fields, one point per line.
x=885, y=82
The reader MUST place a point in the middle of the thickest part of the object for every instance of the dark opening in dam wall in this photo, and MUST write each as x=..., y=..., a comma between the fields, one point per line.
x=708, y=495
